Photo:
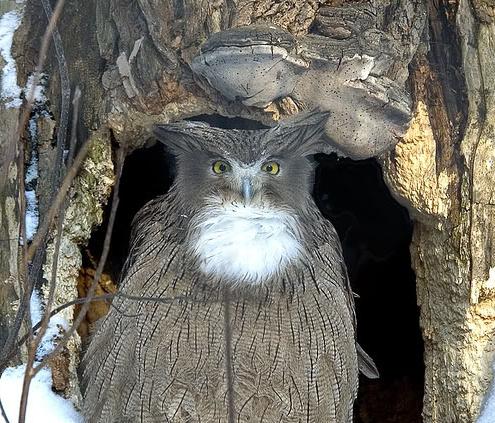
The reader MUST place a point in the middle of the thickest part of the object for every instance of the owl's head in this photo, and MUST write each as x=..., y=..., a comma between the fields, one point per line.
x=259, y=168
x=246, y=194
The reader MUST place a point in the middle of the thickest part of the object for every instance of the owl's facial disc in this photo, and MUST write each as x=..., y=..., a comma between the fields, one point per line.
x=245, y=232
x=244, y=182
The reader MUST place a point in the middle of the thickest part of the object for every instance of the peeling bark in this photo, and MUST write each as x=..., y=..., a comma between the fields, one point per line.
x=443, y=171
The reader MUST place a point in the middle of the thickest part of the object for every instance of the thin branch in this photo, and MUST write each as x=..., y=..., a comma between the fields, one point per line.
x=64, y=98
x=60, y=197
x=28, y=376
x=10, y=155
x=73, y=137
x=99, y=270
x=103, y=297
x=22, y=252
x=56, y=176
x=10, y=152
x=4, y=414
x=58, y=238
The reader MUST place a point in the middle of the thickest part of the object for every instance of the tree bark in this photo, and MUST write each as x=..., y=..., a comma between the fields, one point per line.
x=373, y=64
x=443, y=170
x=9, y=226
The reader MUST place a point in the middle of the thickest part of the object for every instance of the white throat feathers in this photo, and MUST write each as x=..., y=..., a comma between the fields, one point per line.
x=245, y=244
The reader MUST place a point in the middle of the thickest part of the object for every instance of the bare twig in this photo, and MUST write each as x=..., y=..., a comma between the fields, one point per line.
x=56, y=175
x=104, y=297
x=10, y=152
x=34, y=344
x=64, y=97
x=4, y=414
x=57, y=171
x=28, y=376
x=39, y=237
x=22, y=262
x=60, y=197
x=99, y=270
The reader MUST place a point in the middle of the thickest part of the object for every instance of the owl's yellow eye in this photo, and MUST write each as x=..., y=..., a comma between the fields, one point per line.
x=220, y=167
x=271, y=167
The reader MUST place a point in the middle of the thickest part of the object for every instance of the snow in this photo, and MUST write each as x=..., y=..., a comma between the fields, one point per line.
x=490, y=283
x=488, y=410
x=55, y=325
x=35, y=308
x=32, y=214
x=10, y=92
x=32, y=170
x=51, y=335
x=39, y=89
x=43, y=405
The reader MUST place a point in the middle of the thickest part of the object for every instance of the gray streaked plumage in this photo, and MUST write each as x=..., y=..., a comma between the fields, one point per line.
x=293, y=355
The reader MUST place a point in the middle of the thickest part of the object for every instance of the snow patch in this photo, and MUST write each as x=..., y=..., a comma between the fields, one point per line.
x=43, y=404
x=10, y=92
x=32, y=214
x=31, y=178
x=490, y=283
x=52, y=334
x=38, y=89
x=56, y=324
x=35, y=308
x=488, y=411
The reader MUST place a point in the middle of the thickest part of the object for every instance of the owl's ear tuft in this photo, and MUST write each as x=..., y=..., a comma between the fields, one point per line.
x=301, y=134
x=184, y=136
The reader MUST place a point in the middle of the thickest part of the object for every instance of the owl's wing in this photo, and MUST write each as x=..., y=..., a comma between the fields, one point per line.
x=110, y=369
x=142, y=224
x=366, y=364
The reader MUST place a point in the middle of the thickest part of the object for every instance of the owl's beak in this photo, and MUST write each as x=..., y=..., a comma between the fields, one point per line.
x=247, y=189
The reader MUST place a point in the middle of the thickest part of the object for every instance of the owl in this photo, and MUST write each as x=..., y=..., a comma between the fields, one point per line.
x=234, y=304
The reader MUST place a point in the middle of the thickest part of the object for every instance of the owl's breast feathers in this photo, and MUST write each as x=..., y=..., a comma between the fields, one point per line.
x=293, y=351
x=244, y=244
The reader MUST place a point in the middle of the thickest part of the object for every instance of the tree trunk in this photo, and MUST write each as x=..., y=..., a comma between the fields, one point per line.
x=443, y=169
x=9, y=227
x=374, y=65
